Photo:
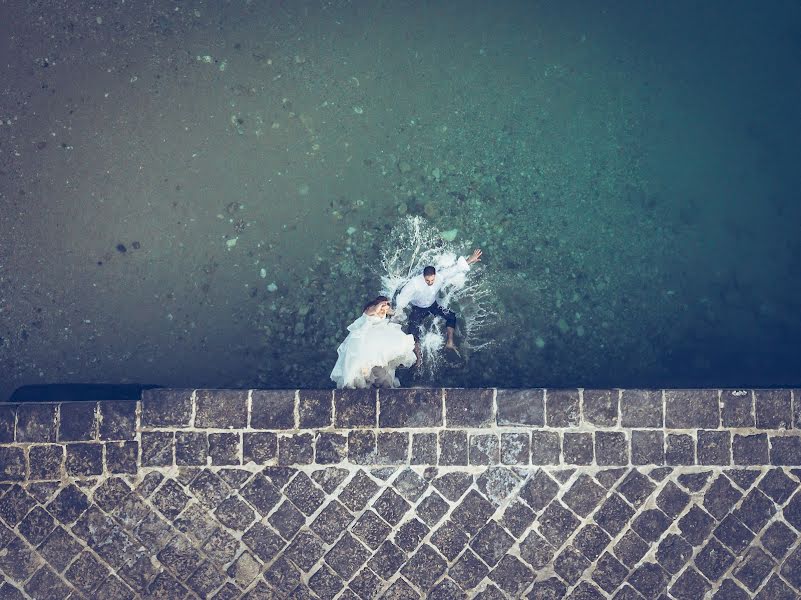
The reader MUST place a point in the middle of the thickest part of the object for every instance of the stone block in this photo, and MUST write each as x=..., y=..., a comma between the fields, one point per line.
x=191, y=448
x=272, y=409
x=121, y=457
x=611, y=448
x=545, y=448
x=347, y=556
x=371, y=529
x=361, y=447
x=392, y=447
x=714, y=447
x=37, y=423
x=77, y=421
x=692, y=409
x=785, y=450
x=609, y=573
x=453, y=448
x=330, y=448
x=12, y=463
x=315, y=408
x=737, y=408
x=156, y=448
x=557, y=523
x=521, y=407
x=673, y=553
x=777, y=539
x=166, y=408
x=750, y=449
x=424, y=449
x=469, y=407
x=355, y=408
x=296, y=449
x=600, y=407
x=415, y=407
x=84, y=460
x=713, y=560
x=221, y=409
x=515, y=448
x=680, y=449
x=584, y=495
x=641, y=408
x=473, y=512
x=259, y=447
x=484, y=449
x=224, y=448
x=331, y=522
x=647, y=447
x=690, y=584
x=732, y=532
x=577, y=448
x=46, y=461
x=8, y=418
x=117, y=420
x=562, y=408
x=773, y=409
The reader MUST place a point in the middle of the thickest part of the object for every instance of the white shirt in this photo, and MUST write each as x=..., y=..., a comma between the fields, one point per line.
x=418, y=293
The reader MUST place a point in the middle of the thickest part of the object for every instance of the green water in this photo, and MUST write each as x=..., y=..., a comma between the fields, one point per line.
x=629, y=170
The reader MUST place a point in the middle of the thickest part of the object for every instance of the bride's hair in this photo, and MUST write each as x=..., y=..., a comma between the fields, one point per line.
x=375, y=301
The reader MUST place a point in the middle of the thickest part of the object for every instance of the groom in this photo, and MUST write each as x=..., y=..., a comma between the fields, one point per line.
x=421, y=292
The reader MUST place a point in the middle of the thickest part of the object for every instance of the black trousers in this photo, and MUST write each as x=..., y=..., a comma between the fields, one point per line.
x=418, y=315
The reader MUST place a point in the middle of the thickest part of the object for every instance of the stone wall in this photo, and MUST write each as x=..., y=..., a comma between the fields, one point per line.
x=411, y=493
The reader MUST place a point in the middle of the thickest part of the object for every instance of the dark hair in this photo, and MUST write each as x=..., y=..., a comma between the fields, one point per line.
x=375, y=301
x=429, y=270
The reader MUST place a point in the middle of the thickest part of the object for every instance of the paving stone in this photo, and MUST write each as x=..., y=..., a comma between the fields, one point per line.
x=641, y=408
x=347, y=556
x=411, y=534
x=84, y=460
x=400, y=590
x=548, y=589
x=651, y=524
x=117, y=420
x=692, y=409
x=672, y=499
x=600, y=407
x=305, y=550
x=584, y=495
x=424, y=449
x=785, y=450
x=468, y=571
x=331, y=522
x=791, y=569
x=556, y=523
x=737, y=409
x=536, y=551
x=521, y=407
x=221, y=546
x=690, y=585
x=733, y=533
x=755, y=510
x=591, y=540
x=538, y=490
x=466, y=407
x=77, y=421
x=611, y=448
x=511, y=575
x=264, y=542
x=282, y=576
x=121, y=457
x=315, y=408
x=7, y=423
x=37, y=423
x=46, y=585
x=262, y=495
x=453, y=485
x=287, y=520
x=636, y=488
x=744, y=478
x=453, y=449
x=491, y=543
x=446, y=590
x=517, y=518
x=647, y=448
x=608, y=477
x=609, y=573
x=234, y=513
x=331, y=448
x=424, y=567
x=167, y=587
x=209, y=488
x=392, y=447
x=304, y=494
x=86, y=573
x=649, y=579
x=562, y=408
x=473, y=512
x=613, y=515
x=366, y=584
x=777, y=485
x=59, y=548
x=191, y=448
x=775, y=589
x=355, y=408
x=729, y=590
x=387, y=560
x=432, y=508
x=754, y=568
x=15, y=504
x=570, y=564
x=673, y=553
x=224, y=448
x=196, y=522
x=545, y=448
x=721, y=497
x=627, y=593
x=777, y=539
x=325, y=583
x=36, y=526
x=713, y=560
x=170, y=499
x=773, y=409
x=694, y=482
x=156, y=448
x=679, y=449
x=484, y=449
x=696, y=525
x=577, y=448
x=358, y=491
x=630, y=549
x=714, y=447
x=411, y=408
x=221, y=409
x=18, y=561
x=750, y=449
x=46, y=462
x=67, y=506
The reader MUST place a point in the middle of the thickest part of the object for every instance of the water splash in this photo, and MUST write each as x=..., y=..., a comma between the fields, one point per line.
x=412, y=245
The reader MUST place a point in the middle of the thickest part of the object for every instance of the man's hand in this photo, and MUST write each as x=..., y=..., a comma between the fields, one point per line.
x=475, y=257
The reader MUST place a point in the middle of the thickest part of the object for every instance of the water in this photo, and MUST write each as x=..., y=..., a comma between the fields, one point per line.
x=202, y=195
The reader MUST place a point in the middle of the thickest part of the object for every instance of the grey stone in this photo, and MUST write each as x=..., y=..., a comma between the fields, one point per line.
x=424, y=449
x=117, y=420
x=484, y=449
x=613, y=515
x=636, y=488
x=777, y=539
x=472, y=512
x=325, y=583
x=221, y=409
x=36, y=423
x=417, y=407
x=191, y=448
x=672, y=499
x=497, y=483
x=234, y=513
x=729, y=590
x=713, y=560
x=755, y=510
x=392, y=447
x=696, y=525
x=162, y=408
x=562, y=408
x=714, y=447
x=358, y=491
x=391, y=506
x=273, y=409
x=673, y=553
x=692, y=409
x=491, y=543
x=517, y=518
x=12, y=464
x=609, y=573
x=591, y=541
x=411, y=534
x=611, y=448
x=647, y=447
x=305, y=550
x=453, y=448
x=757, y=565
x=465, y=407
x=468, y=571
x=46, y=585
x=361, y=447
x=296, y=449
x=548, y=589
x=778, y=485
x=775, y=589
x=785, y=450
x=258, y=447
x=330, y=478
x=521, y=407
x=36, y=525
x=432, y=508
x=156, y=448
x=570, y=564
x=355, y=408
x=680, y=449
x=557, y=523
x=304, y=494
x=387, y=560
x=545, y=448
x=8, y=420
x=424, y=567
x=536, y=550
x=600, y=407
x=287, y=520
x=630, y=549
x=331, y=522
x=315, y=408
x=650, y=524
x=577, y=448
x=512, y=575
x=84, y=460
x=67, y=506
x=59, y=548
x=750, y=449
x=641, y=408
x=330, y=448
x=86, y=573
x=584, y=495
x=737, y=409
x=721, y=497
x=282, y=576
x=365, y=584
x=690, y=585
x=121, y=457
x=773, y=409
x=77, y=421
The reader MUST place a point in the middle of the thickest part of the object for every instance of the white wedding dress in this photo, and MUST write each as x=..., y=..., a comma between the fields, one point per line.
x=374, y=348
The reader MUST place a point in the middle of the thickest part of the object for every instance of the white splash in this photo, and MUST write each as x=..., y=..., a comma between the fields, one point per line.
x=410, y=247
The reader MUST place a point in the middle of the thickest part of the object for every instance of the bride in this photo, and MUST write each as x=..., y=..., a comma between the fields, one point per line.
x=374, y=348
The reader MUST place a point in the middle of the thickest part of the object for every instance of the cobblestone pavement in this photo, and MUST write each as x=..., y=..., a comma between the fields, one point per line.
x=406, y=494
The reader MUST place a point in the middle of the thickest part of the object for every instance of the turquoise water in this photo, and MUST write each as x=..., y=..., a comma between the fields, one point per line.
x=199, y=195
